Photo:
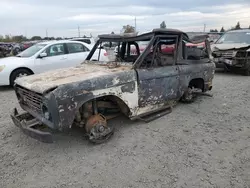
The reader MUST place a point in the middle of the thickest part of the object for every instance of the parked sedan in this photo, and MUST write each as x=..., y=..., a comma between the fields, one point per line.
x=46, y=56
x=19, y=47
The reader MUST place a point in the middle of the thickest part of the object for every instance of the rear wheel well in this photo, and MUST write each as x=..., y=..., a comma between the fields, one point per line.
x=19, y=68
x=197, y=83
x=188, y=96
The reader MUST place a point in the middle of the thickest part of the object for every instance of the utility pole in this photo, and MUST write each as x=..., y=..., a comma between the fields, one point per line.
x=47, y=33
x=79, y=33
x=135, y=24
x=204, y=29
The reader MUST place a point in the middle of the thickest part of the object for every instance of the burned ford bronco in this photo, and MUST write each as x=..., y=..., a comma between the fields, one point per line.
x=142, y=85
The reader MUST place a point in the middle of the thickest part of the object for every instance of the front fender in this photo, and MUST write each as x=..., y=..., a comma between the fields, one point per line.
x=68, y=105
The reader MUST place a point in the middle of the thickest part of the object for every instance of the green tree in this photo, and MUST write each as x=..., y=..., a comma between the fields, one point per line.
x=19, y=38
x=213, y=30
x=128, y=29
x=163, y=25
x=7, y=38
x=222, y=30
x=36, y=38
x=237, y=26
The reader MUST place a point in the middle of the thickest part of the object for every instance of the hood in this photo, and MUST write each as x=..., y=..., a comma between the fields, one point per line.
x=231, y=46
x=12, y=60
x=43, y=82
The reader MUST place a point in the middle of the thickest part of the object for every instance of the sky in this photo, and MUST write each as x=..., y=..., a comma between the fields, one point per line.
x=61, y=18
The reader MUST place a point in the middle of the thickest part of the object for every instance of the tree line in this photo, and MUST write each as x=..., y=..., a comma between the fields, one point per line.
x=21, y=38
x=222, y=30
x=236, y=27
x=131, y=29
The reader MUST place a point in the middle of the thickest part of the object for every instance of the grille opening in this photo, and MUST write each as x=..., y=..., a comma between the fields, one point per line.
x=30, y=99
x=225, y=54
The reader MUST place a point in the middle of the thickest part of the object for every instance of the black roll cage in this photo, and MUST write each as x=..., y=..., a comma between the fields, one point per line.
x=153, y=39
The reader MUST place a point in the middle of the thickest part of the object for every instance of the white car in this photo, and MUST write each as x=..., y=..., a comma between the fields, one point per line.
x=142, y=47
x=88, y=40
x=46, y=56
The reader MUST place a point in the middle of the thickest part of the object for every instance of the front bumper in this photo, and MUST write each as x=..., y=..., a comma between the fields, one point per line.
x=4, y=78
x=231, y=62
x=29, y=125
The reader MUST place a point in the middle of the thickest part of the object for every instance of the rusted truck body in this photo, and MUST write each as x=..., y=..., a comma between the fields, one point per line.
x=232, y=51
x=137, y=85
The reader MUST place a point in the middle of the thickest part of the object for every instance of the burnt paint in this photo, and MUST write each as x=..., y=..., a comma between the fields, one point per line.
x=195, y=69
x=71, y=97
x=155, y=86
x=129, y=87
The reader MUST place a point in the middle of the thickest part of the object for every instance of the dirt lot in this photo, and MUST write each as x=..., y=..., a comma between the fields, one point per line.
x=204, y=144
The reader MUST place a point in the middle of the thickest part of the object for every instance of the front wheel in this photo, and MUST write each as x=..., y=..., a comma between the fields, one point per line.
x=97, y=129
x=17, y=74
x=247, y=71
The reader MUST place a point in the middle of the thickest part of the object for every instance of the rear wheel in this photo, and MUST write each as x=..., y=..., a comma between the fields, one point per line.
x=247, y=72
x=17, y=74
x=227, y=68
x=188, y=96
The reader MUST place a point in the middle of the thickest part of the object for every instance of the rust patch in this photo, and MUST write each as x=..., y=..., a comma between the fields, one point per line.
x=85, y=92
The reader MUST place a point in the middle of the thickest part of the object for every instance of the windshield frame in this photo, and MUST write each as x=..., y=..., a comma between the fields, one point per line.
x=241, y=34
x=24, y=55
x=119, y=40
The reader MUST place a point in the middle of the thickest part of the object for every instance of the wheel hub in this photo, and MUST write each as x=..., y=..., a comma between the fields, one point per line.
x=97, y=129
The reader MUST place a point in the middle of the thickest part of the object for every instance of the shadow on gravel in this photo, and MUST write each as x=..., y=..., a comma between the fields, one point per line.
x=231, y=73
x=6, y=88
x=76, y=136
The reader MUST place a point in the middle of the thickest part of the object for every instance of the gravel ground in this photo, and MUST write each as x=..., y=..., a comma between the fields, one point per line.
x=204, y=144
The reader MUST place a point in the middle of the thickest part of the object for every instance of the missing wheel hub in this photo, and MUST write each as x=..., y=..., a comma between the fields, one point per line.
x=97, y=129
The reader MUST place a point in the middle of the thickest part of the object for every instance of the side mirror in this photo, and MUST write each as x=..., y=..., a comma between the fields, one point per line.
x=42, y=55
